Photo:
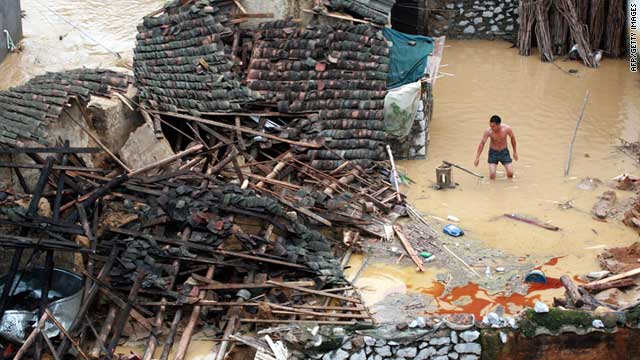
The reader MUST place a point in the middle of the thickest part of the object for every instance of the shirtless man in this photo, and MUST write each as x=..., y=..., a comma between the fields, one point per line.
x=498, y=149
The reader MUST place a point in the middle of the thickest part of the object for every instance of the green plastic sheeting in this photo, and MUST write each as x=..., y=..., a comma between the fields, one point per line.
x=407, y=58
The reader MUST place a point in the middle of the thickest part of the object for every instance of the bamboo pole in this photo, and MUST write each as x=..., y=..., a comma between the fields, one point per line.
x=575, y=132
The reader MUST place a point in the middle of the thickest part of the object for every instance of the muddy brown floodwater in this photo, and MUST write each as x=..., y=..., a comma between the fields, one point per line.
x=542, y=104
x=52, y=44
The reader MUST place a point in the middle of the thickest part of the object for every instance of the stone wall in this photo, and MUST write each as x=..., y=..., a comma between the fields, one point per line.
x=472, y=19
x=418, y=343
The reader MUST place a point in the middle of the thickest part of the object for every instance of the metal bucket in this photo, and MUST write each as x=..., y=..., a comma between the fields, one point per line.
x=22, y=312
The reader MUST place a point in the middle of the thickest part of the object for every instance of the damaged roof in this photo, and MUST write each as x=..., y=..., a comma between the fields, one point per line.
x=377, y=11
x=26, y=110
x=181, y=62
x=338, y=73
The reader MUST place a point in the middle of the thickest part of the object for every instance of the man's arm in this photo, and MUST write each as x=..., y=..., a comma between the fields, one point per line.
x=513, y=144
x=485, y=136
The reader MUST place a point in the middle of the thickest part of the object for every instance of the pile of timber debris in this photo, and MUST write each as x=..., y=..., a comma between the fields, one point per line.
x=557, y=26
x=210, y=235
x=614, y=288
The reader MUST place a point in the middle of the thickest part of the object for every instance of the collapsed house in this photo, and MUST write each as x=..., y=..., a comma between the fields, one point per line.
x=272, y=143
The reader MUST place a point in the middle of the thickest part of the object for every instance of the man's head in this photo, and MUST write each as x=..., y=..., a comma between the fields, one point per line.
x=494, y=122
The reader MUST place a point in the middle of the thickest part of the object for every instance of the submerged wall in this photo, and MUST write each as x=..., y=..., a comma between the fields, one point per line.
x=11, y=20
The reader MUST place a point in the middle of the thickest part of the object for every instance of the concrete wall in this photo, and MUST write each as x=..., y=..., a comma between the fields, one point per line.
x=10, y=19
x=472, y=19
x=280, y=9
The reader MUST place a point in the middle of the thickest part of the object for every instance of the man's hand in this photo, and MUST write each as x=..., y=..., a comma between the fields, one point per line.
x=477, y=161
x=515, y=156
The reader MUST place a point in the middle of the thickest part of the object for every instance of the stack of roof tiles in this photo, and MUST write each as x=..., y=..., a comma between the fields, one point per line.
x=338, y=72
x=27, y=110
x=375, y=10
x=181, y=63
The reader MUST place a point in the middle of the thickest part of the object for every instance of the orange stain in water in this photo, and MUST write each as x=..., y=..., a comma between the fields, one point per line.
x=478, y=300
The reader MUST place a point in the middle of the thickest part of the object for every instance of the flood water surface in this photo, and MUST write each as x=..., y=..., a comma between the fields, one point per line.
x=67, y=34
x=542, y=104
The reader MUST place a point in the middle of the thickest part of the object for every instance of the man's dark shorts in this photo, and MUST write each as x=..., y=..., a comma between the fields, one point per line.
x=499, y=156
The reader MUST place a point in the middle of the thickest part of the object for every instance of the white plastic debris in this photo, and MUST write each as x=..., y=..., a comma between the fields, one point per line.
x=540, y=307
x=503, y=337
x=598, y=324
x=453, y=218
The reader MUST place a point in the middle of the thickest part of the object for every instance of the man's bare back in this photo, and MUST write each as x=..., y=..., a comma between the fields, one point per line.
x=498, y=149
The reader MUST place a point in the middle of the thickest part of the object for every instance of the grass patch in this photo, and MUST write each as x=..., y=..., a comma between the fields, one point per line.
x=553, y=320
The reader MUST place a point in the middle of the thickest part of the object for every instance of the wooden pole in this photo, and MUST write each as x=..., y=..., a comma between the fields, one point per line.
x=572, y=291
x=394, y=174
x=195, y=314
x=410, y=250
x=463, y=169
x=575, y=132
x=168, y=160
x=623, y=275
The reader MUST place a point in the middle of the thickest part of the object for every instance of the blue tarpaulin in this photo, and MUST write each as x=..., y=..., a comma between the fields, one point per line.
x=407, y=58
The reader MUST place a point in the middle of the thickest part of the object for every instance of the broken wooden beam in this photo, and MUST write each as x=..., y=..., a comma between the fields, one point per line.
x=572, y=291
x=314, y=292
x=241, y=128
x=407, y=246
x=620, y=283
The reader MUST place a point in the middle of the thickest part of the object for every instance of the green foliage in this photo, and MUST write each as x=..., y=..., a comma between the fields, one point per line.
x=553, y=320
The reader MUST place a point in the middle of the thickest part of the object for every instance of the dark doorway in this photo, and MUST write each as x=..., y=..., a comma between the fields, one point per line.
x=405, y=16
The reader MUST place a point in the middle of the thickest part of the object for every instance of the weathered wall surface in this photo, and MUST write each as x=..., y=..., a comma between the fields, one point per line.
x=621, y=344
x=472, y=19
x=280, y=9
x=11, y=20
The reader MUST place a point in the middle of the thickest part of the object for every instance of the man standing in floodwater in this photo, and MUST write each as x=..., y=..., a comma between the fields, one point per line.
x=498, y=149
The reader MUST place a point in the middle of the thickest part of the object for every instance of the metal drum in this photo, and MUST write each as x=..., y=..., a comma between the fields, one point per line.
x=65, y=296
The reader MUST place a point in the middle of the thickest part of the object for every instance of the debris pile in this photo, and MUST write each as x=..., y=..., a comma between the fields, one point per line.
x=338, y=72
x=26, y=111
x=211, y=231
x=632, y=216
x=579, y=29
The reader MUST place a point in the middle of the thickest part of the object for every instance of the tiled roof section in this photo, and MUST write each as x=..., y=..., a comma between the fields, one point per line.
x=181, y=62
x=26, y=110
x=338, y=72
x=375, y=10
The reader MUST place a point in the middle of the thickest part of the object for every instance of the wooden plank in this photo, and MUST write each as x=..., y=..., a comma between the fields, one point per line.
x=407, y=246
x=50, y=150
x=621, y=283
x=623, y=275
x=314, y=292
x=167, y=160
x=223, y=286
x=241, y=128
x=572, y=291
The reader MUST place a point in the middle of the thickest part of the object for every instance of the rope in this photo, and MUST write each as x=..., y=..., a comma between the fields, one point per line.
x=79, y=29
